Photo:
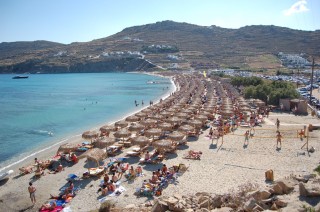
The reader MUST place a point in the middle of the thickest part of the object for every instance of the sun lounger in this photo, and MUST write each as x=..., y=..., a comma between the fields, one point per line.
x=113, y=150
x=133, y=153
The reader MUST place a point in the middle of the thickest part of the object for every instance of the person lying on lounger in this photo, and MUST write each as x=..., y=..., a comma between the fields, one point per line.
x=57, y=170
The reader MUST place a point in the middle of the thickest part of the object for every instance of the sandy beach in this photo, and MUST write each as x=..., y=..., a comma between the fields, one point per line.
x=224, y=166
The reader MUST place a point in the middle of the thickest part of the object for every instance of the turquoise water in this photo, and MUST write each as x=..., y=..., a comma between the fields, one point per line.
x=45, y=109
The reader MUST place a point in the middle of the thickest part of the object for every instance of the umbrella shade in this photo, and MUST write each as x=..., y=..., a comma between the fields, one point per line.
x=66, y=148
x=148, y=122
x=201, y=117
x=186, y=128
x=162, y=144
x=107, y=128
x=141, y=114
x=103, y=143
x=153, y=132
x=141, y=141
x=136, y=127
x=96, y=155
x=182, y=115
x=176, y=136
x=123, y=133
x=165, y=126
x=121, y=124
x=89, y=135
x=132, y=118
x=174, y=120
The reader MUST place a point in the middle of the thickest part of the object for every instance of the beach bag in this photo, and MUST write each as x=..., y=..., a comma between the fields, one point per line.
x=182, y=167
x=269, y=175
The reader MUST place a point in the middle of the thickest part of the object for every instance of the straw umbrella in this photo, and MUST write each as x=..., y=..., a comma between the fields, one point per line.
x=176, y=136
x=165, y=126
x=153, y=132
x=103, y=143
x=132, y=118
x=182, y=115
x=186, y=128
x=66, y=148
x=162, y=145
x=136, y=127
x=141, y=114
x=141, y=141
x=121, y=124
x=148, y=122
x=123, y=133
x=107, y=128
x=174, y=120
x=166, y=113
x=89, y=135
x=96, y=155
x=196, y=123
x=201, y=118
x=156, y=117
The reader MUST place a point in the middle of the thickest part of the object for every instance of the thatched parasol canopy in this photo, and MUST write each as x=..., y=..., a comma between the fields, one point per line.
x=141, y=141
x=141, y=114
x=148, y=122
x=121, y=124
x=89, y=135
x=186, y=128
x=196, y=123
x=165, y=126
x=176, y=136
x=166, y=113
x=162, y=144
x=136, y=127
x=132, y=118
x=201, y=118
x=156, y=117
x=182, y=115
x=66, y=148
x=123, y=133
x=153, y=132
x=96, y=155
x=174, y=120
x=103, y=143
x=107, y=128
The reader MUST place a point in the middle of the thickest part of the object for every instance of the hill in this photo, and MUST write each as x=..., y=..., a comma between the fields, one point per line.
x=164, y=44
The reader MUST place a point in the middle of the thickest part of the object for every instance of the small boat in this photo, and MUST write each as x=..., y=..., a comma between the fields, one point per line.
x=5, y=175
x=20, y=77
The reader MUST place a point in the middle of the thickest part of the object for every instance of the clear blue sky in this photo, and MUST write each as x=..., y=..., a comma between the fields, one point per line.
x=67, y=21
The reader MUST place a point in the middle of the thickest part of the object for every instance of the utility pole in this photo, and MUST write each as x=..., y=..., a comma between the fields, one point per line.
x=311, y=79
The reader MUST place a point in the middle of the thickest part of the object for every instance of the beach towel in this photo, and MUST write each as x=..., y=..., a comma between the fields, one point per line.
x=56, y=209
x=117, y=192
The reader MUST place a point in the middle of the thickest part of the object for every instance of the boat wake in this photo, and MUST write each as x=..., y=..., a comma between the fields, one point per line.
x=41, y=132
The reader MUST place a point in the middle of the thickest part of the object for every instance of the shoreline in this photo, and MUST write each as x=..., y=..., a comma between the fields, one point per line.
x=50, y=149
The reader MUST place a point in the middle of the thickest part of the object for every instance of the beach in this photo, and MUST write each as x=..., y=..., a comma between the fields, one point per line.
x=225, y=166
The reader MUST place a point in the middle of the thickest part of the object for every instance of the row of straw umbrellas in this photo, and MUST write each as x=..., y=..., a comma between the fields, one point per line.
x=185, y=111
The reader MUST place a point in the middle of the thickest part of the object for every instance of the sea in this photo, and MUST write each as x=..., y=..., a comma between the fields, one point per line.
x=46, y=110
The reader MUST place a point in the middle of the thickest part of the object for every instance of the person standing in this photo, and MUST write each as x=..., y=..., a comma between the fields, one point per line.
x=279, y=137
x=32, y=191
x=278, y=123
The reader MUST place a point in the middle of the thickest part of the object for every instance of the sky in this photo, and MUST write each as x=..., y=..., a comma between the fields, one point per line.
x=67, y=21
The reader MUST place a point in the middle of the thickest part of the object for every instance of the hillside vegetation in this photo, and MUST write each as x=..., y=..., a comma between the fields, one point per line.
x=167, y=44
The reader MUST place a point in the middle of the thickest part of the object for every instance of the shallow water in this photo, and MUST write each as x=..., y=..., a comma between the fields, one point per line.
x=43, y=109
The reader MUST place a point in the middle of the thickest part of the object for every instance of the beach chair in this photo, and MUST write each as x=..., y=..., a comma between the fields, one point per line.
x=133, y=153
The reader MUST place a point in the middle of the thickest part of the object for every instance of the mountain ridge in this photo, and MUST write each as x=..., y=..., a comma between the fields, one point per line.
x=199, y=47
